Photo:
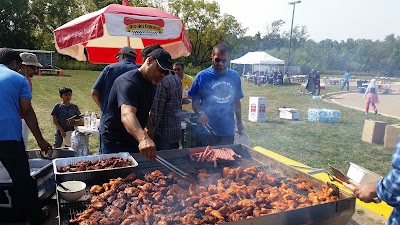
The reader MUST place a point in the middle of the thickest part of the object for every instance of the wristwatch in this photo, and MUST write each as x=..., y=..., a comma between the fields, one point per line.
x=201, y=112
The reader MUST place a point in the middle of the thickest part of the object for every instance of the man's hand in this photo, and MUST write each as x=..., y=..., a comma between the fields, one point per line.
x=44, y=146
x=366, y=192
x=147, y=148
x=203, y=119
x=63, y=133
x=240, y=127
x=149, y=132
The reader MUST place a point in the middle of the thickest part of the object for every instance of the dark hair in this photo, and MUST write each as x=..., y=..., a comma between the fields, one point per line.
x=222, y=48
x=180, y=64
x=7, y=56
x=149, y=49
x=64, y=90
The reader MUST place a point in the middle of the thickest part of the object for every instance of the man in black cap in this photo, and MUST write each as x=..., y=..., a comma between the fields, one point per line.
x=128, y=107
x=101, y=89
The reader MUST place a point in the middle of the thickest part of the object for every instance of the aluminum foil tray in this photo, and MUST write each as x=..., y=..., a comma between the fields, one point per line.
x=102, y=174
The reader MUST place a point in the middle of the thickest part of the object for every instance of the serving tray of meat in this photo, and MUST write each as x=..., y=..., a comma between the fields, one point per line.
x=253, y=189
x=97, y=167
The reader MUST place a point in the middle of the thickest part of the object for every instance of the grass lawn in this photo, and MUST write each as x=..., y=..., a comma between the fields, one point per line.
x=315, y=144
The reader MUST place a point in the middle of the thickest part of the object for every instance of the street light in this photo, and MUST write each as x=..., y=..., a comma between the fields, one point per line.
x=291, y=31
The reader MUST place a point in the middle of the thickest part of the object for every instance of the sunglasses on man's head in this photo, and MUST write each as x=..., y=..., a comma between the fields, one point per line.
x=218, y=60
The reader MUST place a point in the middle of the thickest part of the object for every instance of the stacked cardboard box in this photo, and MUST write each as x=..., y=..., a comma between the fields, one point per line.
x=373, y=131
x=392, y=133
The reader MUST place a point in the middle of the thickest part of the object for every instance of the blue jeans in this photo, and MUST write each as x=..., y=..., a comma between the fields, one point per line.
x=344, y=84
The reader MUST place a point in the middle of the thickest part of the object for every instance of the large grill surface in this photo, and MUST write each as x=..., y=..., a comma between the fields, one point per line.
x=339, y=211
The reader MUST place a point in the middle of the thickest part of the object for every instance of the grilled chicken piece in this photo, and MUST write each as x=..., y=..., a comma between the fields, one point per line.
x=96, y=189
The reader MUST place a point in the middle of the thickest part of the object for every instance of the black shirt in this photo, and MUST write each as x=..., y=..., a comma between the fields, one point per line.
x=130, y=89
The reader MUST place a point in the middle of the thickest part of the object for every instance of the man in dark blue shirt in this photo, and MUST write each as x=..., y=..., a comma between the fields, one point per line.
x=129, y=104
x=101, y=89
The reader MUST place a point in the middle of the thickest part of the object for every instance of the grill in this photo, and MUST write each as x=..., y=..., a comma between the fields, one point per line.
x=337, y=212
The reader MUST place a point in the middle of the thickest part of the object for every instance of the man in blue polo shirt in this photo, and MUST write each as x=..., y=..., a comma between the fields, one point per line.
x=216, y=93
x=16, y=96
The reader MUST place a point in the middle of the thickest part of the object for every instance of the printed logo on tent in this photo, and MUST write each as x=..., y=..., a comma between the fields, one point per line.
x=144, y=27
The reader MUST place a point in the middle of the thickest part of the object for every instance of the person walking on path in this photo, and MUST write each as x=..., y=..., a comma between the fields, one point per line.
x=386, y=189
x=16, y=97
x=317, y=81
x=310, y=83
x=346, y=80
x=371, y=96
x=216, y=93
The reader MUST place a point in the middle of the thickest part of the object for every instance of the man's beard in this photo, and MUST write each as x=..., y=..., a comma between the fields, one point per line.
x=221, y=70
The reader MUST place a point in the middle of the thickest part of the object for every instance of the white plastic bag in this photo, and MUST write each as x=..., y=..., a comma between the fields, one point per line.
x=80, y=143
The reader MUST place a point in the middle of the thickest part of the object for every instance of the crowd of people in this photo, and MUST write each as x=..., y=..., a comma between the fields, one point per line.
x=274, y=76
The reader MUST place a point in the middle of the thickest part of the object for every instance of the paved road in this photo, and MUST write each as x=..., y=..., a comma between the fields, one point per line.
x=389, y=104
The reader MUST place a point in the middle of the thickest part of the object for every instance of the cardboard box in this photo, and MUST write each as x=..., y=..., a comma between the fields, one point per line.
x=257, y=109
x=392, y=133
x=360, y=175
x=289, y=113
x=373, y=131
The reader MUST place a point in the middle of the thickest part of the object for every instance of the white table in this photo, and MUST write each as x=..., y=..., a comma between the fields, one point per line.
x=83, y=129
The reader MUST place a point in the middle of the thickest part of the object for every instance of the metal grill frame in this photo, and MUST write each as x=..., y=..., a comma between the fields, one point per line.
x=337, y=212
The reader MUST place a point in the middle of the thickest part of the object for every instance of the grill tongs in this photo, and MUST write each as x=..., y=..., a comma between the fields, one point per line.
x=209, y=129
x=174, y=169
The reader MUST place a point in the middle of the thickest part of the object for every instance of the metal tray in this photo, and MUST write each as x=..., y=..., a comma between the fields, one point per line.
x=102, y=174
x=52, y=154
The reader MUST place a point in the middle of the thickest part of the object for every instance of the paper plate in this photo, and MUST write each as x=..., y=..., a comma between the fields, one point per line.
x=242, y=139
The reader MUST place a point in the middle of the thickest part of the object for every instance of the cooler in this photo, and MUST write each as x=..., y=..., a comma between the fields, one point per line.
x=42, y=173
x=289, y=113
x=257, y=109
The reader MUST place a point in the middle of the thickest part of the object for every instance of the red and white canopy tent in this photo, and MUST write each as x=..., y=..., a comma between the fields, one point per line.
x=104, y=32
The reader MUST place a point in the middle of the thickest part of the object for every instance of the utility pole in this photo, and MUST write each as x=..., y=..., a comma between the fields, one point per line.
x=291, y=31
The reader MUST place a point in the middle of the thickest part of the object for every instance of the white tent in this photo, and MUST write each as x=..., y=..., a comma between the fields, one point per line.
x=258, y=58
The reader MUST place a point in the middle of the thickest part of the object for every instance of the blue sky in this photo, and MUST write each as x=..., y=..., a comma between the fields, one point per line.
x=333, y=19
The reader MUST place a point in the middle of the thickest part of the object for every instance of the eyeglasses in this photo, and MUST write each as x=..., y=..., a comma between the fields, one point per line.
x=177, y=69
x=218, y=60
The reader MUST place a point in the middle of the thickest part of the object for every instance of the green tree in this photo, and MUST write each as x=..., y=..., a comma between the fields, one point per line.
x=205, y=27
x=16, y=27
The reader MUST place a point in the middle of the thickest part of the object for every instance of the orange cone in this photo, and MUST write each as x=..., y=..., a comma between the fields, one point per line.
x=61, y=73
x=40, y=73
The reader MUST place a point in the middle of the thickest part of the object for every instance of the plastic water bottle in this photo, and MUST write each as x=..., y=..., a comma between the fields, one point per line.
x=86, y=120
x=185, y=92
x=93, y=121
